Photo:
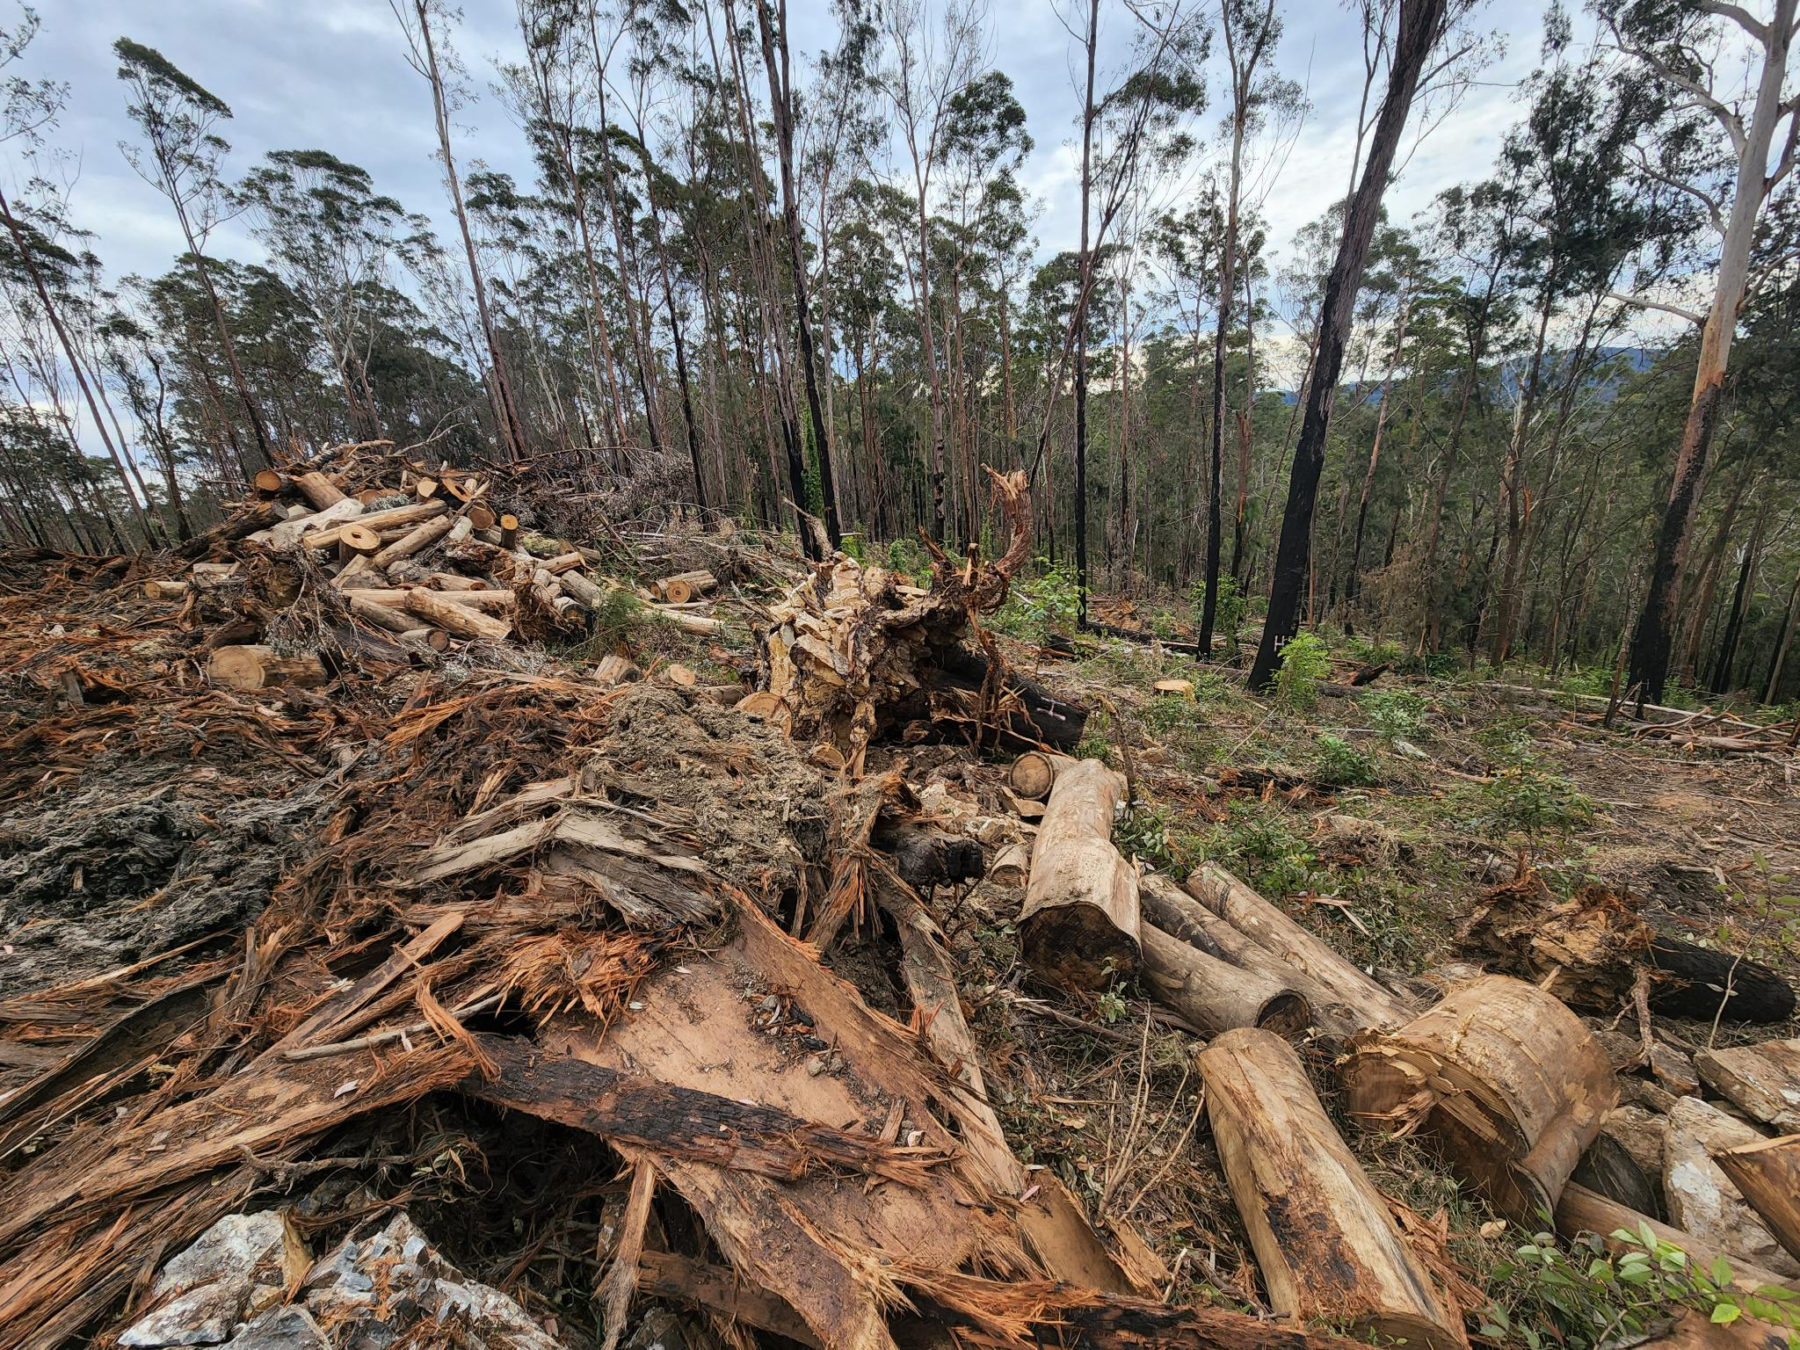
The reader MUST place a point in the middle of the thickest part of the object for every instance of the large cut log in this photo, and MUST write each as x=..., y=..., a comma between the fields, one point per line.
x=414, y=541
x=1268, y=927
x=683, y=587
x=585, y=592
x=381, y=616
x=250, y=668
x=1763, y=1081
x=381, y=522
x=319, y=490
x=463, y=620
x=1214, y=995
x=395, y=597
x=1508, y=1083
x=290, y=533
x=1767, y=1174
x=1583, y=1211
x=1181, y=916
x=1033, y=773
x=1326, y=1244
x=1079, y=924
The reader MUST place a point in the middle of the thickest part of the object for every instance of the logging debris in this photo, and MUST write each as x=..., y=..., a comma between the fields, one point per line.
x=668, y=966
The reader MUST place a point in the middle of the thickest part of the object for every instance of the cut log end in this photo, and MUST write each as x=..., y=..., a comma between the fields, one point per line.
x=250, y=668
x=268, y=480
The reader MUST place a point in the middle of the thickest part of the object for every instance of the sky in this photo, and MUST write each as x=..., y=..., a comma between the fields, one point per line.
x=331, y=74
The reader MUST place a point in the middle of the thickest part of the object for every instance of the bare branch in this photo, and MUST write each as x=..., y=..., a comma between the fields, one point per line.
x=1643, y=302
x=1738, y=15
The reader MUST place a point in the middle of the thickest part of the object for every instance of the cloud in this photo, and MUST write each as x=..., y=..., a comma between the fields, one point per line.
x=332, y=74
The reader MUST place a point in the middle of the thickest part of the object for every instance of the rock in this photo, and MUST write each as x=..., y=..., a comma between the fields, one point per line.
x=659, y=1330
x=1701, y=1199
x=284, y=1328
x=230, y=1289
x=232, y=1271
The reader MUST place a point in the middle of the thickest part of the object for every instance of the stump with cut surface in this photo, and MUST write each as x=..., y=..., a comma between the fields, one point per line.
x=1508, y=1084
x=1079, y=924
x=1326, y=1244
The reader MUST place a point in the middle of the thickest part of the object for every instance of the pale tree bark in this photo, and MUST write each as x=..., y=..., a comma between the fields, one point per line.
x=1651, y=639
x=781, y=100
x=425, y=61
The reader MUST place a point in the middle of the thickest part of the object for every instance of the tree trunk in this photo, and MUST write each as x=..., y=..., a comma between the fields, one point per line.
x=781, y=101
x=1215, y=995
x=1734, y=622
x=512, y=434
x=1083, y=283
x=1420, y=22
x=1652, y=635
x=1698, y=612
x=1326, y=1244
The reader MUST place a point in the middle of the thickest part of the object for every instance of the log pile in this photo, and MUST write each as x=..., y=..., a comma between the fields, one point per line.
x=420, y=561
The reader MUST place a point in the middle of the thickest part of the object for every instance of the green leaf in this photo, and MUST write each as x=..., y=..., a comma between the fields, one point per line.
x=1726, y=1313
x=1721, y=1271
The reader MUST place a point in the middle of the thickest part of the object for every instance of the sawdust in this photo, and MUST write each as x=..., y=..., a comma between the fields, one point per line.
x=140, y=857
x=746, y=794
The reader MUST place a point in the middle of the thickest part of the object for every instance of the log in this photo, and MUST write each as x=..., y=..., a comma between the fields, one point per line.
x=683, y=587
x=1326, y=1244
x=1695, y=981
x=452, y=581
x=549, y=593
x=1181, y=916
x=1079, y=924
x=289, y=533
x=380, y=615
x=426, y=488
x=509, y=530
x=1583, y=1211
x=585, y=592
x=1269, y=928
x=1689, y=1329
x=157, y=589
x=481, y=517
x=460, y=619
x=1508, y=1083
x=1767, y=1174
x=395, y=596
x=319, y=490
x=1033, y=773
x=268, y=480
x=561, y=562
x=1701, y=1196
x=1214, y=995
x=689, y=623
x=615, y=669
x=357, y=540
x=381, y=521
x=414, y=540
x=249, y=668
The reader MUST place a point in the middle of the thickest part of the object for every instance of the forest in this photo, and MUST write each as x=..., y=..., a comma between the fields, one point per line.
x=1550, y=420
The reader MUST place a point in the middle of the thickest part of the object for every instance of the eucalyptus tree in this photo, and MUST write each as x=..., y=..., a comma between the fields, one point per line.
x=418, y=21
x=1725, y=147
x=180, y=157
x=334, y=240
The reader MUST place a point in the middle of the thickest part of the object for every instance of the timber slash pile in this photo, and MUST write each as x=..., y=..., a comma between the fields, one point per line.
x=374, y=908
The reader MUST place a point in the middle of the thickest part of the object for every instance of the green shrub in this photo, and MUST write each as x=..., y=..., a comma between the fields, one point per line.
x=1228, y=617
x=1375, y=652
x=1338, y=763
x=1305, y=661
x=1394, y=712
x=905, y=556
x=1048, y=603
x=1263, y=849
x=1523, y=795
x=1587, y=1298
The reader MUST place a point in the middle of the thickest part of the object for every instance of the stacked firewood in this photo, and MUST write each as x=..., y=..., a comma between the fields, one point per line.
x=420, y=560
